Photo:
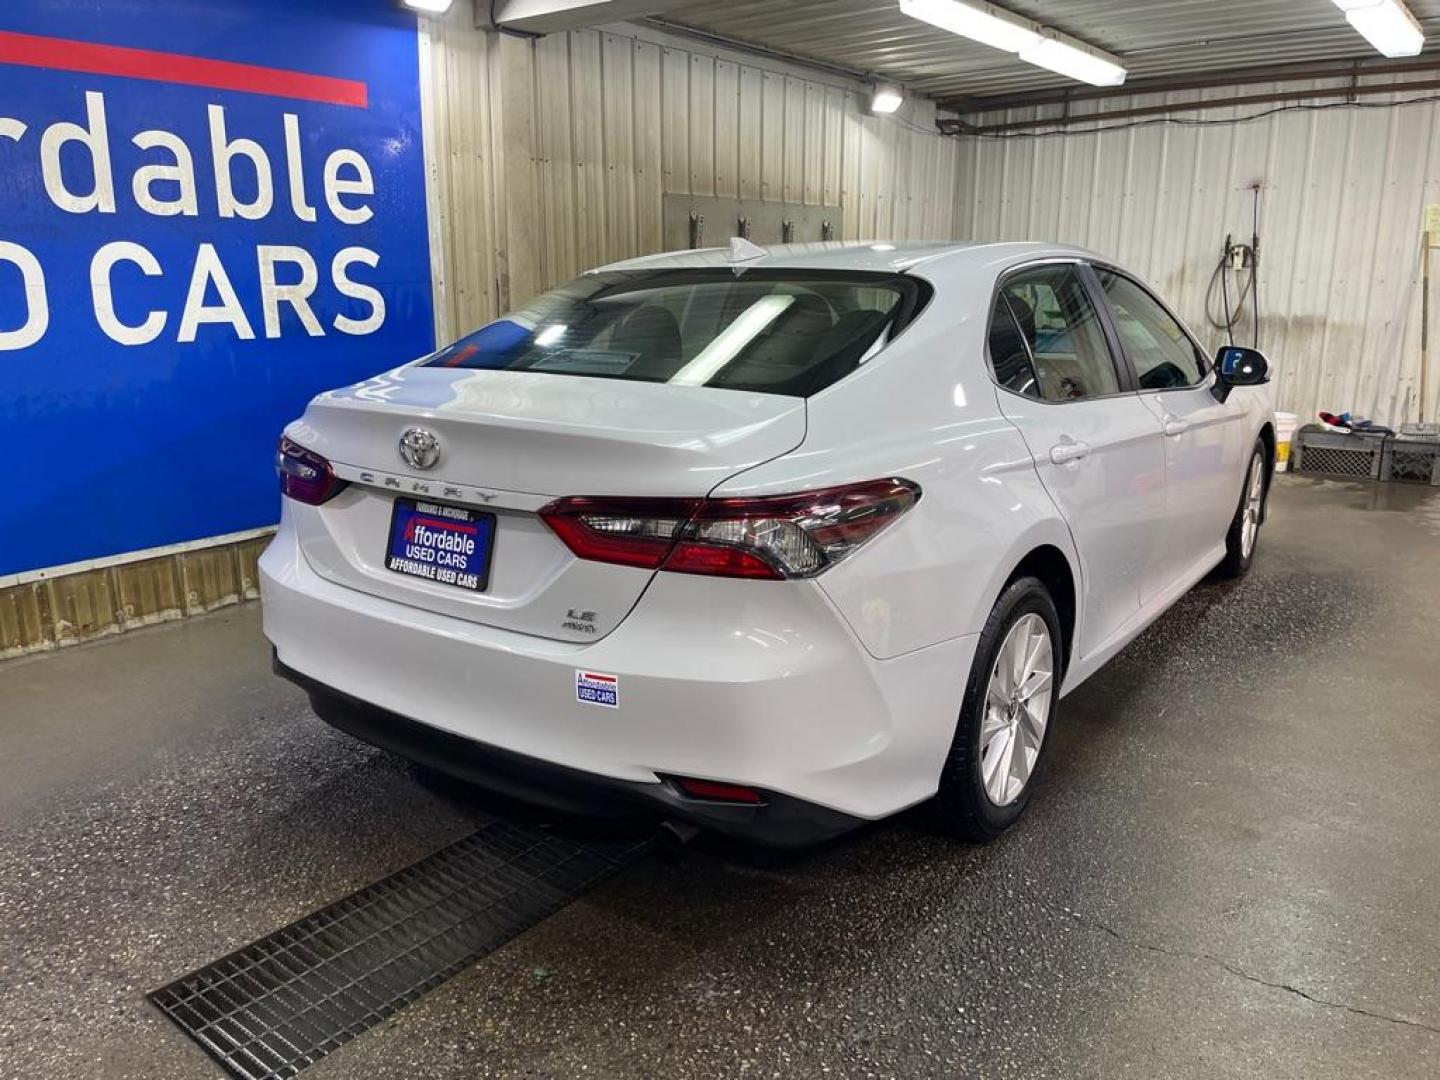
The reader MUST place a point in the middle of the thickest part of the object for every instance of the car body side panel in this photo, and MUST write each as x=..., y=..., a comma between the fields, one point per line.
x=1207, y=445
x=1113, y=499
x=926, y=412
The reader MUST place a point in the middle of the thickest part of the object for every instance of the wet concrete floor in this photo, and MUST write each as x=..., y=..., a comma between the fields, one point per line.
x=1232, y=868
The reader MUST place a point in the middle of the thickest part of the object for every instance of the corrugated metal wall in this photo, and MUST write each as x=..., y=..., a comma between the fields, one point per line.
x=1341, y=215
x=547, y=157
x=75, y=607
x=552, y=156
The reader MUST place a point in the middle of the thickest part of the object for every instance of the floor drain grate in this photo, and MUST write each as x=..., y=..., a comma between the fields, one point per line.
x=285, y=1001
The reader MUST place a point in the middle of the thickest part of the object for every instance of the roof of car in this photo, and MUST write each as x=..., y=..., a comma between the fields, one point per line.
x=882, y=255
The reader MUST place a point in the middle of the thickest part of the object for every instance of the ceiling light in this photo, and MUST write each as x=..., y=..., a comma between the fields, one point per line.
x=981, y=22
x=430, y=7
x=886, y=99
x=1033, y=43
x=1077, y=61
x=1386, y=24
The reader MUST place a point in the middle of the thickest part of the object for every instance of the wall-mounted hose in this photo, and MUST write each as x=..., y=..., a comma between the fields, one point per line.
x=1247, y=285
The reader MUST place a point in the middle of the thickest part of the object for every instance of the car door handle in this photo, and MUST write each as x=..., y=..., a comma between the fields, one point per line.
x=1174, y=425
x=1063, y=453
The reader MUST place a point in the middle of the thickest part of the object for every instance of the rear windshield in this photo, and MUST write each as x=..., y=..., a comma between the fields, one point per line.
x=777, y=332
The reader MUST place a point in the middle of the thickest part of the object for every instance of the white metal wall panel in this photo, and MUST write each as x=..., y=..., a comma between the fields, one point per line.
x=772, y=136
x=751, y=148
x=459, y=74
x=727, y=128
x=649, y=173
x=700, y=124
x=588, y=135
x=675, y=116
x=618, y=79
x=1342, y=200
x=565, y=146
x=557, y=189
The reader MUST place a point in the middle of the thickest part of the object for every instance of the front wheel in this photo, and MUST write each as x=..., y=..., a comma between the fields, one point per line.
x=1004, y=722
x=1245, y=526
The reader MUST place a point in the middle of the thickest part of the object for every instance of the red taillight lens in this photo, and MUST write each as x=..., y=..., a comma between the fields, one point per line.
x=718, y=561
x=305, y=476
x=784, y=536
x=632, y=532
x=715, y=791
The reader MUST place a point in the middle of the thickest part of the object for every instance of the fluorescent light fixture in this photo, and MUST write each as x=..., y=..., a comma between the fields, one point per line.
x=886, y=99
x=980, y=22
x=1386, y=24
x=1079, y=62
x=551, y=334
x=430, y=7
x=1033, y=43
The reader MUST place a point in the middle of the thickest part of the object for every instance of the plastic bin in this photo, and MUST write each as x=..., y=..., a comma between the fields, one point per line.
x=1412, y=459
x=1337, y=453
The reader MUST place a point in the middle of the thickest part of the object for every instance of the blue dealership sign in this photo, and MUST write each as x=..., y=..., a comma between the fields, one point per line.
x=208, y=213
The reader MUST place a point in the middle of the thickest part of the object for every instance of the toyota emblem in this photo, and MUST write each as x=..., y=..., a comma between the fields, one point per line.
x=419, y=448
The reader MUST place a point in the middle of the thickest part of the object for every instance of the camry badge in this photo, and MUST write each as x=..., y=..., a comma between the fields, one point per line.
x=419, y=448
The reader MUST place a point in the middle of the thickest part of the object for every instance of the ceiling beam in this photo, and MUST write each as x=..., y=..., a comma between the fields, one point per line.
x=1272, y=97
x=1311, y=69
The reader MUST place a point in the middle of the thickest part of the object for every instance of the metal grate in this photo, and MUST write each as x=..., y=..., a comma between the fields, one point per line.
x=277, y=1005
x=1339, y=462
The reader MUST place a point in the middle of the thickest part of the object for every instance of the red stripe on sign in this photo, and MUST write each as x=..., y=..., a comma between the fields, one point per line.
x=455, y=526
x=61, y=54
x=597, y=678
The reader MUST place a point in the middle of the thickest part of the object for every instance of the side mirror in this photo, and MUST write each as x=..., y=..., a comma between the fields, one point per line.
x=1235, y=365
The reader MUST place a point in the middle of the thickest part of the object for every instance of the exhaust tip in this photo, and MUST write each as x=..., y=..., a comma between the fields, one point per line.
x=673, y=837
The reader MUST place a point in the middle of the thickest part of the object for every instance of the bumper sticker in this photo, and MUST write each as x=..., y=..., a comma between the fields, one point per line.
x=592, y=688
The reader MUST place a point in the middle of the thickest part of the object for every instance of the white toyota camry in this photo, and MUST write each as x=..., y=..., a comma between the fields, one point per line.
x=774, y=541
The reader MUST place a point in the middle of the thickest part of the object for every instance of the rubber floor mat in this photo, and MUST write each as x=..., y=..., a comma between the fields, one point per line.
x=285, y=1001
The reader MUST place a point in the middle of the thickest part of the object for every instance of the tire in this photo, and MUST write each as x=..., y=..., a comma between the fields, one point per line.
x=1244, y=532
x=965, y=806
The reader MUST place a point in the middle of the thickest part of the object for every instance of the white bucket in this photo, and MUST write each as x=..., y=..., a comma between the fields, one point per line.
x=1285, y=423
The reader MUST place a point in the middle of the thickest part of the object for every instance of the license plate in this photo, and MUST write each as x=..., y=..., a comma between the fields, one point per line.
x=448, y=544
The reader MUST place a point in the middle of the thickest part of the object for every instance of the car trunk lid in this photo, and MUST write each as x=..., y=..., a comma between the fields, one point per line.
x=510, y=442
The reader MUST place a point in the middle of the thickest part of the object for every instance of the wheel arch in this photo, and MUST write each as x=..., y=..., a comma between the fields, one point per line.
x=1052, y=567
x=1267, y=436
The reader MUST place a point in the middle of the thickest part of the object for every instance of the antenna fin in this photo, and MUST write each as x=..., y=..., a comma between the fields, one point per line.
x=742, y=250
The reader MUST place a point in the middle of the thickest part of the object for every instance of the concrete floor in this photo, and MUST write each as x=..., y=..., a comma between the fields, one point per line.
x=1232, y=868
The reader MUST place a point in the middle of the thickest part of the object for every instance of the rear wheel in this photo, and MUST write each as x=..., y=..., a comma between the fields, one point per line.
x=1245, y=527
x=1004, y=723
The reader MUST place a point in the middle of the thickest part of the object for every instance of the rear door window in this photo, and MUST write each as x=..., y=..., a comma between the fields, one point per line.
x=782, y=332
x=1062, y=328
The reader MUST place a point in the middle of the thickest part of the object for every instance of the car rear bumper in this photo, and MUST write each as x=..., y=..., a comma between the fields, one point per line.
x=754, y=683
x=781, y=821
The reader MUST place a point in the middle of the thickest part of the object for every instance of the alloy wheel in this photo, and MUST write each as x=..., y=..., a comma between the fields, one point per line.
x=1254, y=501
x=1017, y=709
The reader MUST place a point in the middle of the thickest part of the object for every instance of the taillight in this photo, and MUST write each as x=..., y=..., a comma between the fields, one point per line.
x=777, y=536
x=305, y=476
x=632, y=532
